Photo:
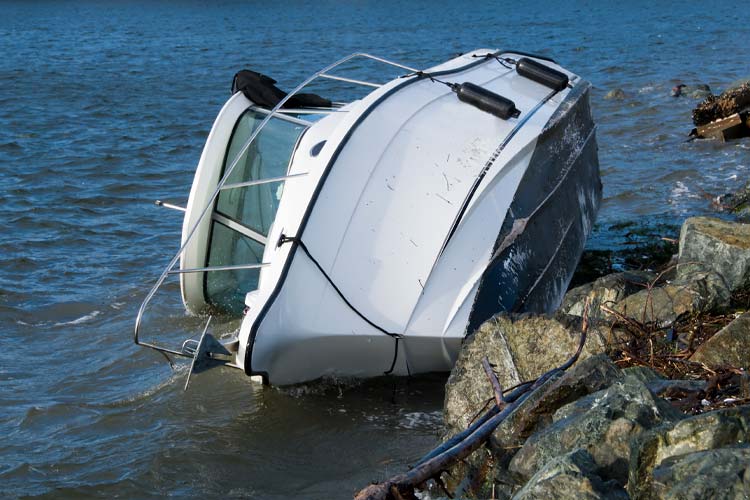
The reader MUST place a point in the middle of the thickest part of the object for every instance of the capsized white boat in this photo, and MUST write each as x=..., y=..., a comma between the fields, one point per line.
x=372, y=236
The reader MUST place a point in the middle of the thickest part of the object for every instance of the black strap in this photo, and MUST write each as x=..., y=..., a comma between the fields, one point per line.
x=506, y=62
x=397, y=336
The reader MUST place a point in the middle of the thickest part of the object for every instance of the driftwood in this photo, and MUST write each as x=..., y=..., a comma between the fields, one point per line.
x=499, y=398
x=432, y=465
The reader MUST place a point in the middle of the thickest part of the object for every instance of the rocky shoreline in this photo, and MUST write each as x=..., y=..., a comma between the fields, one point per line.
x=658, y=405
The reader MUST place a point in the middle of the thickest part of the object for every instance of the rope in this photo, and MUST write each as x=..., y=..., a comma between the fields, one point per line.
x=396, y=336
x=423, y=74
x=506, y=62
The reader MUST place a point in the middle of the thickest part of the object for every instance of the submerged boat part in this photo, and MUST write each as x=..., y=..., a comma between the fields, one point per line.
x=207, y=352
x=370, y=236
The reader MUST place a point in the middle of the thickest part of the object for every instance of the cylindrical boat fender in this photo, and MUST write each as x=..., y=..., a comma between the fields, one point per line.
x=556, y=80
x=488, y=101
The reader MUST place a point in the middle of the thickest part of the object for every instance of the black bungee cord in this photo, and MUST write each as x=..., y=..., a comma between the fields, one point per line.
x=396, y=336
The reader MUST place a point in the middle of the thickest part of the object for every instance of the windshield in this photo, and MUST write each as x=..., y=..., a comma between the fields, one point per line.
x=246, y=207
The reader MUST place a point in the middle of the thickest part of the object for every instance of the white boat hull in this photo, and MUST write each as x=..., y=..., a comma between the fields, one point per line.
x=420, y=218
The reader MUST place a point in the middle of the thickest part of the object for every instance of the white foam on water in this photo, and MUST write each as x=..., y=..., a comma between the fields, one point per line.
x=82, y=319
x=421, y=420
x=681, y=190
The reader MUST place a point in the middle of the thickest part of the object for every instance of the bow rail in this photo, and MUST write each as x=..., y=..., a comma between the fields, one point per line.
x=276, y=110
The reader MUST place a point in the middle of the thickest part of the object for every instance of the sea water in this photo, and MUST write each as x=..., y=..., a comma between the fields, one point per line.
x=104, y=107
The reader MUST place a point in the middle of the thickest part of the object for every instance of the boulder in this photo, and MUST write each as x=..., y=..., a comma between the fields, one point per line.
x=697, y=91
x=689, y=294
x=710, y=244
x=728, y=427
x=616, y=94
x=643, y=373
x=603, y=424
x=571, y=476
x=736, y=202
x=729, y=346
x=675, y=387
x=716, y=474
x=585, y=377
x=519, y=350
x=664, y=387
x=606, y=290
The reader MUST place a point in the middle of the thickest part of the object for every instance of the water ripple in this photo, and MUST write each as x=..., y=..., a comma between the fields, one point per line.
x=105, y=107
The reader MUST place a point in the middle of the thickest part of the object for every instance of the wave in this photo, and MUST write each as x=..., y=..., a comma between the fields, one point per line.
x=82, y=319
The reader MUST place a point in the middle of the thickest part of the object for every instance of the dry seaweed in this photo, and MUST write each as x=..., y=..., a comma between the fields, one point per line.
x=667, y=349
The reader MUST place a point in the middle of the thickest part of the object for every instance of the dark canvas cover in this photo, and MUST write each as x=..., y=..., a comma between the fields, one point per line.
x=262, y=90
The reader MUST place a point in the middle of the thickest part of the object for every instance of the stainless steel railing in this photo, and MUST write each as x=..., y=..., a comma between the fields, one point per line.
x=323, y=73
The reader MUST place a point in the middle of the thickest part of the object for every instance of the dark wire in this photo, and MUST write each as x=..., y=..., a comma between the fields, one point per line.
x=395, y=357
x=396, y=336
x=422, y=74
x=506, y=62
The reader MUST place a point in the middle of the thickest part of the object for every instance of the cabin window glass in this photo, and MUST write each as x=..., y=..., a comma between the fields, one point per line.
x=267, y=157
x=227, y=289
x=251, y=209
x=253, y=206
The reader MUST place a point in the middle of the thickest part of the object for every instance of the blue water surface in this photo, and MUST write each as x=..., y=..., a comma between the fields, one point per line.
x=104, y=107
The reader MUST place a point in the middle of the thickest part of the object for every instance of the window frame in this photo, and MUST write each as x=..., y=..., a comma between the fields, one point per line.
x=231, y=223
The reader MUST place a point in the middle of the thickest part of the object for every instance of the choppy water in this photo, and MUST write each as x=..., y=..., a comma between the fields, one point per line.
x=104, y=108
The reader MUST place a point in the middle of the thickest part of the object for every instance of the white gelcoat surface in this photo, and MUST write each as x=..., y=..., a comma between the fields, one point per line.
x=380, y=222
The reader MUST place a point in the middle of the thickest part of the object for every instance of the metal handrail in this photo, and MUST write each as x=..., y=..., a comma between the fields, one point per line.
x=350, y=80
x=168, y=270
x=267, y=180
x=237, y=267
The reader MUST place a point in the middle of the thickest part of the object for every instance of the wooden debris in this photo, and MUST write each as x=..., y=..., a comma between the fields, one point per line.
x=732, y=101
x=499, y=399
x=731, y=127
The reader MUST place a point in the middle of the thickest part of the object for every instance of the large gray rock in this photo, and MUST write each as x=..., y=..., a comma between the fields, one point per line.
x=585, y=377
x=715, y=474
x=602, y=423
x=589, y=375
x=520, y=350
x=661, y=386
x=606, y=291
x=729, y=346
x=571, y=476
x=718, y=429
x=696, y=90
x=709, y=244
x=736, y=202
x=691, y=293
x=535, y=412
x=643, y=373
